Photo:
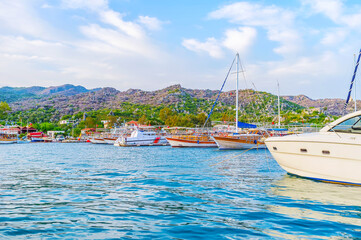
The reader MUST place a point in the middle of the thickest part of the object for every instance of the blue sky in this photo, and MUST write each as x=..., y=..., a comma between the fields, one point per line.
x=306, y=45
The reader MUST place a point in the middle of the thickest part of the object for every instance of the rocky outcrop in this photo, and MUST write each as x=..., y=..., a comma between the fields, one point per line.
x=67, y=99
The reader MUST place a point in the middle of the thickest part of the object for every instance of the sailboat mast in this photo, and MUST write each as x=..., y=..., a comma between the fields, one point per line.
x=279, y=107
x=354, y=59
x=237, y=55
x=352, y=81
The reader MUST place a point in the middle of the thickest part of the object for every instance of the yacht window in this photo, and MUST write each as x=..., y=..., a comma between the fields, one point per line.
x=352, y=125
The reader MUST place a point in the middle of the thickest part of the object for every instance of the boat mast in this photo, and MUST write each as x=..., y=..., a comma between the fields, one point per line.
x=279, y=107
x=354, y=59
x=352, y=81
x=237, y=55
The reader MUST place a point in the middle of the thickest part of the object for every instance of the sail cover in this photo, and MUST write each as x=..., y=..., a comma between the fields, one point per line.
x=246, y=125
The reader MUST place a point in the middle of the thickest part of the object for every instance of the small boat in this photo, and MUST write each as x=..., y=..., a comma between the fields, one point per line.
x=333, y=154
x=8, y=135
x=142, y=138
x=191, y=141
x=37, y=136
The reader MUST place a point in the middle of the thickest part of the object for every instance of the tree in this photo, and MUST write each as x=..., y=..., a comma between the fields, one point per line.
x=112, y=120
x=165, y=113
x=45, y=127
x=143, y=120
x=4, y=109
x=89, y=122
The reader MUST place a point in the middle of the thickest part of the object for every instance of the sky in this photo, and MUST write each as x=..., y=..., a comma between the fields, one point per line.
x=308, y=46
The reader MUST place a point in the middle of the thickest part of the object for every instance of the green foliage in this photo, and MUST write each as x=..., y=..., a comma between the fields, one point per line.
x=4, y=109
x=45, y=127
x=90, y=122
x=189, y=111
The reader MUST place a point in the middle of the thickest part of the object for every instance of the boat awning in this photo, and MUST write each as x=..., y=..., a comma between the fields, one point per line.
x=277, y=129
x=246, y=125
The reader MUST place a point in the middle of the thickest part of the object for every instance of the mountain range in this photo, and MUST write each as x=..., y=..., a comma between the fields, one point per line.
x=69, y=98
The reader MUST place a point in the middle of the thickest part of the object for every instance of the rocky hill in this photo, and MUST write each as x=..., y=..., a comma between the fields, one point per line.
x=13, y=94
x=69, y=99
x=333, y=106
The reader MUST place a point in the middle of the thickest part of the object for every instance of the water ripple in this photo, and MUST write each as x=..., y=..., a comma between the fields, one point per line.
x=85, y=191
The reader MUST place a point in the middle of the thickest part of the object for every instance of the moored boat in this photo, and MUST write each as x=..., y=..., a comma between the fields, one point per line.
x=142, y=138
x=97, y=140
x=109, y=140
x=8, y=135
x=36, y=136
x=333, y=154
x=253, y=139
x=191, y=141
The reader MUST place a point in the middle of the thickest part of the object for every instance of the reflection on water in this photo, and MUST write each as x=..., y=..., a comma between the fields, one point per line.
x=85, y=191
x=322, y=203
x=298, y=188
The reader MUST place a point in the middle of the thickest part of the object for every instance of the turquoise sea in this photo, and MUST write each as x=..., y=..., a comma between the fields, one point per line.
x=85, y=191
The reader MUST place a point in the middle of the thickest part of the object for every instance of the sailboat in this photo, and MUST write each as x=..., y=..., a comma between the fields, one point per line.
x=249, y=139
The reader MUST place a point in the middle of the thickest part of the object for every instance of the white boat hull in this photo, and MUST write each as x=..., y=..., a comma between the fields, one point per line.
x=144, y=142
x=97, y=141
x=8, y=141
x=333, y=159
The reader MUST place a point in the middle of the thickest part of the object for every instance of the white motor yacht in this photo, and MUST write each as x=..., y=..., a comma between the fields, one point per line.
x=332, y=155
x=141, y=138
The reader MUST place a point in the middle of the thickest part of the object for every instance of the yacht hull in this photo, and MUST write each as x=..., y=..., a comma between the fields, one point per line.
x=129, y=142
x=325, y=161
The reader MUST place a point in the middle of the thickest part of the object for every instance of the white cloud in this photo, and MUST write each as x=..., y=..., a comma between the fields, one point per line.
x=330, y=8
x=20, y=17
x=236, y=40
x=278, y=22
x=336, y=11
x=254, y=14
x=239, y=40
x=117, y=42
x=94, y=5
x=114, y=18
x=334, y=36
x=151, y=23
x=211, y=46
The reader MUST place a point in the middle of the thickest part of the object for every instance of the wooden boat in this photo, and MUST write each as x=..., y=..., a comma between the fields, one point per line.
x=191, y=141
x=240, y=141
